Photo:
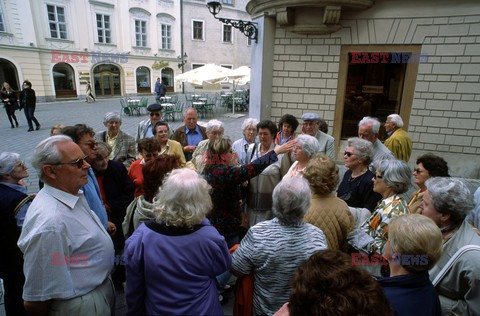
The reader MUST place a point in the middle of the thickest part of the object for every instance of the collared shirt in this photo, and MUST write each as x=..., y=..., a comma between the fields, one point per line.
x=21, y=213
x=67, y=252
x=240, y=147
x=149, y=131
x=112, y=141
x=94, y=199
x=284, y=140
x=193, y=138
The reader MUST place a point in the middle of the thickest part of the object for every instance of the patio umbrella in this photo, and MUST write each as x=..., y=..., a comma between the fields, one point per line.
x=238, y=76
x=209, y=74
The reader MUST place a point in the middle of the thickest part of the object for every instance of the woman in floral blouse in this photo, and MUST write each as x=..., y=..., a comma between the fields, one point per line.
x=392, y=178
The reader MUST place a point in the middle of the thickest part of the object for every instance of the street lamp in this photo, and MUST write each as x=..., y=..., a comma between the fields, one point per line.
x=249, y=29
x=182, y=60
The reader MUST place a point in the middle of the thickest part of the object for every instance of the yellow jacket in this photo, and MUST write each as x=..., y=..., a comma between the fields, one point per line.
x=400, y=144
x=173, y=148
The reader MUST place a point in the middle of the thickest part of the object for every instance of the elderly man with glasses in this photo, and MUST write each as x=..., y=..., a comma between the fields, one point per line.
x=122, y=144
x=311, y=126
x=145, y=127
x=67, y=251
x=190, y=134
x=83, y=136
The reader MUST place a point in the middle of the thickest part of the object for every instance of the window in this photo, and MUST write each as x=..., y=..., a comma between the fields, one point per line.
x=166, y=36
x=141, y=33
x=374, y=82
x=57, y=22
x=143, y=80
x=195, y=66
x=197, y=30
x=104, y=30
x=2, y=21
x=227, y=34
x=227, y=2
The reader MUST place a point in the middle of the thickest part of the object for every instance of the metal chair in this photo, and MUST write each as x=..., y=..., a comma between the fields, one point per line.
x=126, y=109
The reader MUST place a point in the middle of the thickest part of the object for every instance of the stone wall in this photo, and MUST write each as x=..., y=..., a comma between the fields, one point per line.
x=445, y=112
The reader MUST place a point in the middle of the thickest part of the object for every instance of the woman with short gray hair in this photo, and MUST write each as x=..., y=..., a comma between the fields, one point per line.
x=392, y=178
x=356, y=188
x=195, y=250
x=14, y=203
x=274, y=249
x=306, y=147
x=447, y=202
x=214, y=131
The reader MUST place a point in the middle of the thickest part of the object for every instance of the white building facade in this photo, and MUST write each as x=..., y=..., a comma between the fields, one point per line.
x=313, y=57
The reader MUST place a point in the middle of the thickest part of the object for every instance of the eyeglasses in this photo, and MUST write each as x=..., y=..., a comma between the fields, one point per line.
x=376, y=176
x=417, y=170
x=79, y=162
x=90, y=144
x=154, y=113
x=348, y=154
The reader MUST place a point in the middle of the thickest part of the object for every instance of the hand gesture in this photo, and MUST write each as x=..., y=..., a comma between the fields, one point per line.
x=285, y=147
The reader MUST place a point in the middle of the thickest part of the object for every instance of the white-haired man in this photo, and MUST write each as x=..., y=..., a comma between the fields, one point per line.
x=190, y=134
x=311, y=126
x=67, y=251
x=368, y=129
x=398, y=141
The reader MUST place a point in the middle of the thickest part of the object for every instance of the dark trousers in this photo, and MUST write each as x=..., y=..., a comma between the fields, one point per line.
x=11, y=113
x=29, y=114
x=13, y=287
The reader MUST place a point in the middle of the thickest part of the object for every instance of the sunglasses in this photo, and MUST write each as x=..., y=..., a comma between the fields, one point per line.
x=348, y=154
x=377, y=176
x=154, y=114
x=79, y=162
x=91, y=144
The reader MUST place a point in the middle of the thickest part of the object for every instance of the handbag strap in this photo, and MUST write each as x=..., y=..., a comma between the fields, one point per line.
x=22, y=203
x=452, y=260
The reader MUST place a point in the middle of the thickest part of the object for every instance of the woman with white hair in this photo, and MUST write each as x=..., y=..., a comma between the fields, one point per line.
x=173, y=260
x=14, y=203
x=456, y=275
x=240, y=146
x=214, y=131
x=274, y=249
x=356, y=188
x=414, y=245
x=306, y=147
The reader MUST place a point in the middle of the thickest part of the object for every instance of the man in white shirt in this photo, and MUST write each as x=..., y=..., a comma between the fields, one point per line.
x=368, y=129
x=68, y=254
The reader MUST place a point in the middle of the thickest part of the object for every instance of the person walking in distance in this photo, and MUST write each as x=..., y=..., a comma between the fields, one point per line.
x=90, y=97
x=28, y=101
x=9, y=99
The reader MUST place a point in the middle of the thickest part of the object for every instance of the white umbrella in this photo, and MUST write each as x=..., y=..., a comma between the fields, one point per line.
x=210, y=73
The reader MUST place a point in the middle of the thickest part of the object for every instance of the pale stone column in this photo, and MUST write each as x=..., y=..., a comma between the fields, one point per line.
x=262, y=69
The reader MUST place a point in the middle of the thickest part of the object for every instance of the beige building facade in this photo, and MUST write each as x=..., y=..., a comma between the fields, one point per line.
x=348, y=59
x=120, y=46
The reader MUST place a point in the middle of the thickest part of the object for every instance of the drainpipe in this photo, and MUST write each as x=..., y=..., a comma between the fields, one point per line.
x=181, y=41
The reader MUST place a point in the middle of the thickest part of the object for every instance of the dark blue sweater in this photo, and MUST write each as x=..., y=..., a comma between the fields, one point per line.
x=411, y=294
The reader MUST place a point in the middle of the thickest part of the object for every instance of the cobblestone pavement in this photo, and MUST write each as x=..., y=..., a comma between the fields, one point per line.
x=72, y=112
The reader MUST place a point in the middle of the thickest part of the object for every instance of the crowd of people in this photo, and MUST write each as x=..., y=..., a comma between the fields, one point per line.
x=170, y=217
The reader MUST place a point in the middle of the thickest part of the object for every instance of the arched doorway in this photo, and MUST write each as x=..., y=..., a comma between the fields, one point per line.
x=167, y=78
x=143, y=80
x=64, y=81
x=8, y=73
x=106, y=80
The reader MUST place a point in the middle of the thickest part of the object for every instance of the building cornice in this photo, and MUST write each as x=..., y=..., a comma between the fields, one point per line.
x=165, y=15
x=140, y=10
x=288, y=13
x=102, y=4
